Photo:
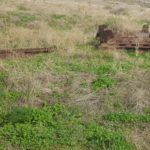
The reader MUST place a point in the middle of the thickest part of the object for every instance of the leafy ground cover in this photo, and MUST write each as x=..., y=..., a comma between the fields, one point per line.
x=54, y=126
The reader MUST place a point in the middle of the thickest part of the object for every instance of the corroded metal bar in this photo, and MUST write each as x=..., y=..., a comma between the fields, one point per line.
x=28, y=51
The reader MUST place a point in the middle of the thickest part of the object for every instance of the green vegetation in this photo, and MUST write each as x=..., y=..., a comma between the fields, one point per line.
x=103, y=82
x=103, y=138
x=41, y=128
x=127, y=117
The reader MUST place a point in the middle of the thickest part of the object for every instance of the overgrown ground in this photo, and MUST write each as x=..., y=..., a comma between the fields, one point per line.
x=77, y=97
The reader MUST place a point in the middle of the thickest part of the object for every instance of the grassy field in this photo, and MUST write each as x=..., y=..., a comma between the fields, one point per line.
x=79, y=97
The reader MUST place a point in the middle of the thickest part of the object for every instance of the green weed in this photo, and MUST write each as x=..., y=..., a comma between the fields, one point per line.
x=32, y=128
x=56, y=125
x=103, y=82
x=126, y=117
x=99, y=69
x=100, y=138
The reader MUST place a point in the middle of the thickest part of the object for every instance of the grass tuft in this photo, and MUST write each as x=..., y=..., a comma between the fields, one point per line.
x=127, y=117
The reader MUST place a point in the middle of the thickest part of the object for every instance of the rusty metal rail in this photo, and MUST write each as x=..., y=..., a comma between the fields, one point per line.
x=132, y=43
x=108, y=38
x=23, y=52
x=141, y=46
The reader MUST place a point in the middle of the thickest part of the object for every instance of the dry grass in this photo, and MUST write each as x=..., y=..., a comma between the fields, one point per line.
x=135, y=90
x=86, y=16
x=141, y=138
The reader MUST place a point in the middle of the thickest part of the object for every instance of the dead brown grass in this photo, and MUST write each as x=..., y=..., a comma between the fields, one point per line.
x=141, y=138
x=135, y=90
x=38, y=32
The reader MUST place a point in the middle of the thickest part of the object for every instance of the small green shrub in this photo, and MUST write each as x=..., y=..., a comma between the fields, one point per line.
x=20, y=115
x=126, y=117
x=56, y=125
x=35, y=128
x=100, y=138
x=97, y=68
x=103, y=82
x=27, y=136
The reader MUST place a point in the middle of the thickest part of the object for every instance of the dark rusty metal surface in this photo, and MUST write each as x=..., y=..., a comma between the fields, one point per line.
x=145, y=29
x=104, y=34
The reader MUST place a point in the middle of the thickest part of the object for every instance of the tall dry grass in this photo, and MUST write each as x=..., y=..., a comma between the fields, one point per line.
x=39, y=33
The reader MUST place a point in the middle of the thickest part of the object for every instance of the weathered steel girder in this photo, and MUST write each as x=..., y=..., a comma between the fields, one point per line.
x=23, y=52
x=131, y=41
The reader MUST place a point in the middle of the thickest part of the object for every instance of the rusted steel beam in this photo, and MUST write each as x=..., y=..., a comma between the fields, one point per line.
x=22, y=52
x=134, y=40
